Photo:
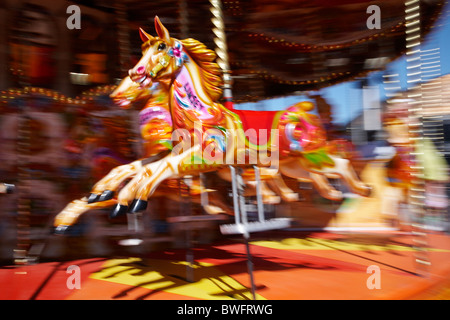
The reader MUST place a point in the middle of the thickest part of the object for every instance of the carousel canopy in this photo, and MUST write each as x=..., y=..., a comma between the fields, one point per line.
x=285, y=47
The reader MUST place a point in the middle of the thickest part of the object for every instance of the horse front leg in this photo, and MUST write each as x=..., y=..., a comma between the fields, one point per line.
x=101, y=197
x=73, y=211
x=137, y=191
x=6, y=188
x=104, y=189
x=126, y=195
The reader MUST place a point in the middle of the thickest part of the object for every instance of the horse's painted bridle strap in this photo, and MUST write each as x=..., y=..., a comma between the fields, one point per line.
x=163, y=63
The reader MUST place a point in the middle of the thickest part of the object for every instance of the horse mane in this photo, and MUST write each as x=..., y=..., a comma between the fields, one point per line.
x=210, y=71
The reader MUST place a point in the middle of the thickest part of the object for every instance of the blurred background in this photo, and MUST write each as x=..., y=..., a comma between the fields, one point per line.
x=60, y=132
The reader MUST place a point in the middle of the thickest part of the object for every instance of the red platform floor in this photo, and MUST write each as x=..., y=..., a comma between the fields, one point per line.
x=287, y=266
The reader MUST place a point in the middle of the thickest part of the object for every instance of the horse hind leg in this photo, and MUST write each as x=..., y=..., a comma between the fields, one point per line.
x=325, y=189
x=268, y=196
x=286, y=193
x=217, y=205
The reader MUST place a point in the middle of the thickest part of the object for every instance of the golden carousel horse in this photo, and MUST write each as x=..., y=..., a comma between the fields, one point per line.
x=206, y=136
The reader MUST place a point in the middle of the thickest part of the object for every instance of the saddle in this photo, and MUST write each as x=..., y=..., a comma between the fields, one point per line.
x=257, y=120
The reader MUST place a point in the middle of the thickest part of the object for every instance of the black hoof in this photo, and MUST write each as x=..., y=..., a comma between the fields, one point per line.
x=9, y=188
x=93, y=198
x=118, y=211
x=62, y=229
x=139, y=205
x=106, y=195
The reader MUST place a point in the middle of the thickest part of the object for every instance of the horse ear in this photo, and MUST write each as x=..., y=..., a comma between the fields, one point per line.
x=144, y=35
x=162, y=31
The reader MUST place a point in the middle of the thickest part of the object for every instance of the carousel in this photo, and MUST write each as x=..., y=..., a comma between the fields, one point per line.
x=180, y=150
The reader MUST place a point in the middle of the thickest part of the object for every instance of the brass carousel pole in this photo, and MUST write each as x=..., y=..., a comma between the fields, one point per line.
x=221, y=47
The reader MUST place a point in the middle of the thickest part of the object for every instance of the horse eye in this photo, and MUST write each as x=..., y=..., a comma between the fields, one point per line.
x=161, y=46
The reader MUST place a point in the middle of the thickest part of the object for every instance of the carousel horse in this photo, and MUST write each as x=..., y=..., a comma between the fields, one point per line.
x=155, y=129
x=156, y=141
x=211, y=137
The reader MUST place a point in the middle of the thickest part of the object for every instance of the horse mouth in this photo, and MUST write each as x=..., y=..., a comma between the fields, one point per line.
x=143, y=81
x=121, y=100
x=123, y=103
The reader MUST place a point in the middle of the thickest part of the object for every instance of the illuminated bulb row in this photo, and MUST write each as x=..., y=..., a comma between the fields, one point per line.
x=310, y=47
x=7, y=95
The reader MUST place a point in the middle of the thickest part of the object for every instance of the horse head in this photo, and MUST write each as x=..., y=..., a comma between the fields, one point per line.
x=161, y=57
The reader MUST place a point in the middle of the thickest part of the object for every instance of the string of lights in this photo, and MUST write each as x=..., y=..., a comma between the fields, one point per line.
x=414, y=78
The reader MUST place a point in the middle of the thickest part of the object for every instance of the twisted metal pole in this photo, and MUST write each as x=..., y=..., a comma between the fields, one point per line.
x=222, y=60
x=221, y=47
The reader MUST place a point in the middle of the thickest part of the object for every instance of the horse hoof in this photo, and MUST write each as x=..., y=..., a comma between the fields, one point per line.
x=118, y=211
x=93, y=198
x=61, y=229
x=9, y=188
x=139, y=205
x=106, y=195
x=369, y=191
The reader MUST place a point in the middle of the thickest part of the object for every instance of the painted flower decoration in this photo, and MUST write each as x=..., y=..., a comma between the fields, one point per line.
x=178, y=53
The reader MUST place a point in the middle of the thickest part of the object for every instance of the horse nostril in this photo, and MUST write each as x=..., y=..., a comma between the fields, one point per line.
x=140, y=70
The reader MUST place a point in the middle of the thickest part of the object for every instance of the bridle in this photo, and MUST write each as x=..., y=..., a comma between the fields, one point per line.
x=162, y=63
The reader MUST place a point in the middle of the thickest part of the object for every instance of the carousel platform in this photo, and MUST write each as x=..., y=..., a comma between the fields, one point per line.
x=288, y=265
